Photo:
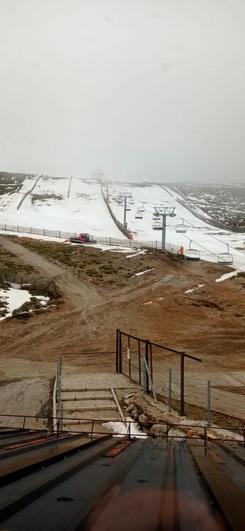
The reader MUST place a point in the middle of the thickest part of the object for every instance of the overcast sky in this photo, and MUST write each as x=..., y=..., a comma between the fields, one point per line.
x=141, y=89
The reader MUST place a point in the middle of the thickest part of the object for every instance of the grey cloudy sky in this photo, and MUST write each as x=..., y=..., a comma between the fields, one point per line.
x=142, y=89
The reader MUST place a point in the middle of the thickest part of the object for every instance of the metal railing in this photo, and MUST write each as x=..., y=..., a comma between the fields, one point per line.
x=110, y=241
x=142, y=361
x=190, y=431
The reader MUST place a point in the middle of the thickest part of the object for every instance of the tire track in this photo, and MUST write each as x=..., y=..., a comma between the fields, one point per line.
x=28, y=192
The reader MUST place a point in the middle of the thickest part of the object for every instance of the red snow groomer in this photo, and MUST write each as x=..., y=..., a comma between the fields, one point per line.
x=83, y=238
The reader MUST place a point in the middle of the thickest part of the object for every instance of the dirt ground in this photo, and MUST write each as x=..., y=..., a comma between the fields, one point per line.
x=102, y=293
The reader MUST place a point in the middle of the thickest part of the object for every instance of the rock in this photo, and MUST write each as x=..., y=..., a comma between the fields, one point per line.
x=128, y=396
x=143, y=419
x=134, y=413
x=127, y=400
x=159, y=430
x=130, y=408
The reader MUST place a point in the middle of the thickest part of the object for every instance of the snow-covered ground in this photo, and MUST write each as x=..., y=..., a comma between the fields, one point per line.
x=54, y=205
x=49, y=207
x=14, y=298
x=10, y=201
x=207, y=239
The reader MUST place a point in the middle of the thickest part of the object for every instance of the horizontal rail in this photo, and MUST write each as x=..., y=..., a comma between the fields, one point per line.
x=105, y=240
x=163, y=347
x=147, y=423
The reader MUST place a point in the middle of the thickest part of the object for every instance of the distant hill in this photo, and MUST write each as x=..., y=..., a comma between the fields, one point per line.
x=6, y=177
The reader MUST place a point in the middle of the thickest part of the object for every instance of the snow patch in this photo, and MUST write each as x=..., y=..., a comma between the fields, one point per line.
x=120, y=429
x=143, y=272
x=227, y=275
x=195, y=289
x=136, y=254
x=14, y=298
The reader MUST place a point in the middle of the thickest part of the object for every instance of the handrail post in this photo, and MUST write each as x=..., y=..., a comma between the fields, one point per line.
x=24, y=422
x=61, y=416
x=92, y=429
x=120, y=351
x=169, y=390
x=117, y=350
x=205, y=436
x=182, y=384
x=209, y=403
x=147, y=363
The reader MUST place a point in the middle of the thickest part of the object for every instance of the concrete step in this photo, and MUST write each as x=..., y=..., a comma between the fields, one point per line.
x=68, y=412
x=81, y=397
x=100, y=415
x=89, y=404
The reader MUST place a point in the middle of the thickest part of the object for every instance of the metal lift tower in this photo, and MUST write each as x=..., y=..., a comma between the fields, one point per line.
x=160, y=220
x=125, y=196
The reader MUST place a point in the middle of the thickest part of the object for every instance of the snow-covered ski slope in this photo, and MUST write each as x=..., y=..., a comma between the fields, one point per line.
x=209, y=240
x=49, y=207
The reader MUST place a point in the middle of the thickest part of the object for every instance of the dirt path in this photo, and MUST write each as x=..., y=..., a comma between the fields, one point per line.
x=79, y=293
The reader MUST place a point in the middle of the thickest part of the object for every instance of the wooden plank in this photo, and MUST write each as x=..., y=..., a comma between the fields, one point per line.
x=229, y=495
x=118, y=405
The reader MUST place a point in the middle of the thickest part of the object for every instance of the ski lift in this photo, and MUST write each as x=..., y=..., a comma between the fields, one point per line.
x=141, y=209
x=139, y=214
x=225, y=258
x=181, y=227
x=131, y=201
x=157, y=224
x=192, y=254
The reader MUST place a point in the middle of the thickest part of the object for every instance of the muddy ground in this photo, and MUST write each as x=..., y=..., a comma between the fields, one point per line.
x=101, y=293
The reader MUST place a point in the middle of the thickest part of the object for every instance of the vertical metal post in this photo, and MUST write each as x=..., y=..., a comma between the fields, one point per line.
x=163, y=231
x=120, y=351
x=92, y=430
x=151, y=364
x=182, y=384
x=147, y=362
x=125, y=212
x=170, y=390
x=129, y=358
x=61, y=416
x=139, y=361
x=117, y=350
x=209, y=403
x=205, y=436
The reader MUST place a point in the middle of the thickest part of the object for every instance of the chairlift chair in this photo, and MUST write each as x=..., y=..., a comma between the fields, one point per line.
x=192, y=254
x=138, y=214
x=157, y=224
x=181, y=227
x=225, y=258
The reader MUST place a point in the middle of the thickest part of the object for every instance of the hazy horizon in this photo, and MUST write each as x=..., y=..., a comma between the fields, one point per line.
x=145, y=90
